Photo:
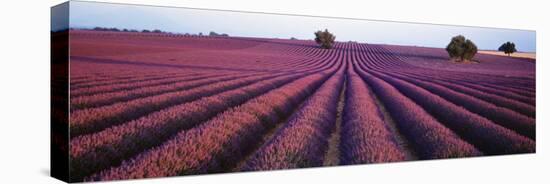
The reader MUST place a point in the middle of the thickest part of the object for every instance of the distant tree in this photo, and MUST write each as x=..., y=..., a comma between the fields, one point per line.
x=292, y=38
x=157, y=31
x=125, y=30
x=461, y=49
x=133, y=30
x=325, y=39
x=145, y=31
x=508, y=48
x=105, y=29
x=200, y=33
x=212, y=33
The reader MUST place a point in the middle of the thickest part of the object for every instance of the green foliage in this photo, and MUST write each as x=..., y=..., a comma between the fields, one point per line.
x=470, y=50
x=325, y=39
x=119, y=30
x=106, y=29
x=212, y=33
x=461, y=48
x=508, y=48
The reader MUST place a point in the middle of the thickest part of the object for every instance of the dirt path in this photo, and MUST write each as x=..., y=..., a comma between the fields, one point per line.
x=402, y=143
x=332, y=156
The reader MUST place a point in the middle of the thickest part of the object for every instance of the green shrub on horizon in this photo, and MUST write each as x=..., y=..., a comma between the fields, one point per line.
x=325, y=39
x=461, y=49
x=508, y=48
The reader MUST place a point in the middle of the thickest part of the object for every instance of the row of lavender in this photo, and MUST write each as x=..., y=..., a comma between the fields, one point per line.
x=513, y=114
x=490, y=125
x=177, y=124
x=106, y=135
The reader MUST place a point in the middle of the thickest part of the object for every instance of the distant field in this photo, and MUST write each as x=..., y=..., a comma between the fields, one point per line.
x=530, y=55
x=152, y=105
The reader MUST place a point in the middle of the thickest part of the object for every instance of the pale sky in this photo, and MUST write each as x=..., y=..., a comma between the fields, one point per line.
x=184, y=20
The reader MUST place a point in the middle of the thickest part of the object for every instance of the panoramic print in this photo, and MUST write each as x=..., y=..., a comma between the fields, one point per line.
x=161, y=91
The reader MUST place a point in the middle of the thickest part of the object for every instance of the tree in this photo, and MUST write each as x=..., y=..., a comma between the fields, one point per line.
x=508, y=48
x=461, y=49
x=325, y=39
x=99, y=29
x=212, y=33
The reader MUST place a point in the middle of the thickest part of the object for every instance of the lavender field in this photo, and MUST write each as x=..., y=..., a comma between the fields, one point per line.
x=157, y=104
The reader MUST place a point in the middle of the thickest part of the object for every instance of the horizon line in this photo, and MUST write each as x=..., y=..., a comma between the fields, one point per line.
x=206, y=34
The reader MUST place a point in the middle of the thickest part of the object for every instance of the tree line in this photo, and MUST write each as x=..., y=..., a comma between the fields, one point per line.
x=113, y=29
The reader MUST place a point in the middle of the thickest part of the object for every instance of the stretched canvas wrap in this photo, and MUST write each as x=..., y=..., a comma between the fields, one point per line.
x=147, y=91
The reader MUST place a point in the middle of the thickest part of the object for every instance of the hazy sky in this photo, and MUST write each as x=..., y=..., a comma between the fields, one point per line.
x=182, y=20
